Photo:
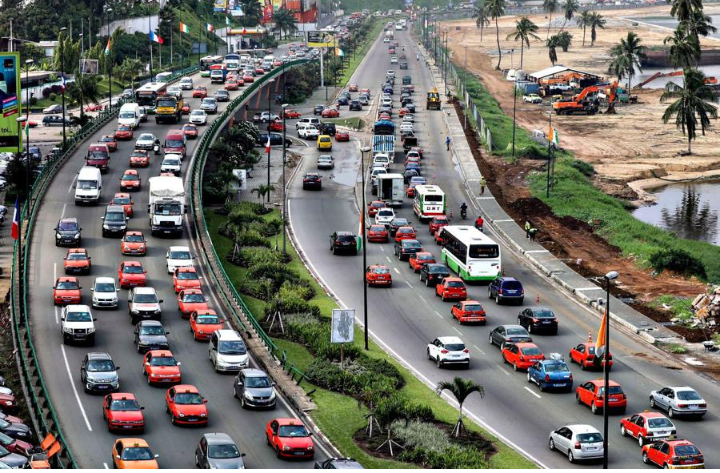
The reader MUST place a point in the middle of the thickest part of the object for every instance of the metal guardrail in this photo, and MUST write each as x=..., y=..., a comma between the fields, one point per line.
x=39, y=402
x=212, y=261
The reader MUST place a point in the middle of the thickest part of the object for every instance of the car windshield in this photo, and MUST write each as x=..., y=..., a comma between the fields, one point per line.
x=195, y=298
x=438, y=270
x=208, y=101
x=174, y=143
x=381, y=270
x=132, y=269
x=97, y=154
x=455, y=346
x=688, y=396
x=127, y=115
x=455, y=284
x=137, y=454
x=684, y=450
x=484, y=251
x=179, y=254
x=223, y=451
x=516, y=331
x=530, y=351
x=167, y=102
x=114, y=217
x=146, y=137
x=515, y=285
x=473, y=307
x=167, y=209
x=77, y=256
x=152, y=330
x=171, y=162
x=377, y=228
x=124, y=405
x=145, y=298
x=439, y=220
x=188, y=398
x=235, y=347
x=105, y=287
x=134, y=238
x=659, y=422
x=385, y=213
x=66, y=285
x=197, y=113
x=612, y=390
x=542, y=313
x=100, y=365
x=411, y=244
x=257, y=382
x=406, y=230
x=346, y=238
x=78, y=317
x=425, y=257
x=292, y=431
x=121, y=200
x=207, y=320
x=556, y=367
x=163, y=361
x=187, y=275
x=87, y=185
x=589, y=438
x=399, y=222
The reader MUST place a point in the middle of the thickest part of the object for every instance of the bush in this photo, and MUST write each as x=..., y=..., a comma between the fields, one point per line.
x=262, y=289
x=406, y=409
x=251, y=238
x=423, y=435
x=46, y=92
x=53, y=96
x=33, y=100
x=56, y=89
x=586, y=169
x=254, y=255
x=679, y=261
x=243, y=216
x=454, y=457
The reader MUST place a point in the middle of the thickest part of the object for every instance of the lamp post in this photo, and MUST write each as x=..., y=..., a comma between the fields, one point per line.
x=28, y=62
x=284, y=197
x=62, y=74
x=108, y=58
x=364, y=150
x=270, y=82
x=514, y=106
x=606, y=365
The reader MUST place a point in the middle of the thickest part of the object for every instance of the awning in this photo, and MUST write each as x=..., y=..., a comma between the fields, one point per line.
x=554, y=70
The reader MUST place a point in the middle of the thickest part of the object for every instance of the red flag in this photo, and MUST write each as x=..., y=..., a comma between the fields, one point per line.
x=267, y=145
x=244, y=31
x=16, y=221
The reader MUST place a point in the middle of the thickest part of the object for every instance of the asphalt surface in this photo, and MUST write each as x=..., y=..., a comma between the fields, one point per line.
x=80, y=414
x=405, y=318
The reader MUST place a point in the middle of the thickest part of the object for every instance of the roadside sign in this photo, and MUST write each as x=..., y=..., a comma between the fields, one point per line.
x=343, y=326
x=320, y=39
x=10, y=99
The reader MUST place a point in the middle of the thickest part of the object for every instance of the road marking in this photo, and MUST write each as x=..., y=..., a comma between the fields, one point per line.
x=533, y=392
x=458, y=331
x=537, y=251
x=72, y=184
x=62, y=215
x=77, y=397
x=503, y=220
x=503, y=370
x=478, y=349
x=395, y=269
x=407, y=282
x=388, y=258
x=106, y=466
x=439, y=314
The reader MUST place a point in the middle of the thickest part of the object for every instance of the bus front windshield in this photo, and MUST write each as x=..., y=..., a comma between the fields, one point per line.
x=146, y=100
x=483, y=251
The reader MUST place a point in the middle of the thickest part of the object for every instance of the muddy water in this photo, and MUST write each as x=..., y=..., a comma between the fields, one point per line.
x=688, y=210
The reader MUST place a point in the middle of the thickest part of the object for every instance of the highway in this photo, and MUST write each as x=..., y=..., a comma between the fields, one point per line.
x=80, y=414
x=405, y=318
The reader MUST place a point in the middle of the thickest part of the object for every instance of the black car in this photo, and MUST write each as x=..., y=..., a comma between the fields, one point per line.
x=406, y=101
x=222, y=96
x=338, y=464
x=68, y=232
x=508, y=333
x=114, y=221
x=410, y=107
x=410, y=173
x=318, y=109
x=55, y=120
x=342, y=100
x=433, y=273
x=355, y=106
x=343, y=241
x=538, y=319
x=327, y=129
x=150, y=335
x=16, y=431
x=405, y=248
x=396, y=223
x=35, y=153
x=506, y=289
x=312, y=180
x=276, y=139
x=403, y=65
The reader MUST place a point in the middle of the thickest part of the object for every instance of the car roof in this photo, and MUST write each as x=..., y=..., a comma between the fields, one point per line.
x=98, y=355
x=583, y=429
x=650, y=415
x=144, y=290
x=506, y=278
x=680, y=388
x=289, y=421
x=104, y=280
x=156, y=323
x=68, y=220
x=115, y=208
x=67, y=279
x=254, y=373
x=507, y=326
x=229, y=334
x=450, y=339
x=344, y=233
x=218, y=438
x=123, y=396
x=179, y=248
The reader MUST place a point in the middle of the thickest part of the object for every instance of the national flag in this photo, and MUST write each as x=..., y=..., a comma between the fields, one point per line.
x=553, y=136
x=16, y=221
x=107, y=48
x=601, y=341
x=361, y=231
x=244, y=31
x=209, y=27
x=267, y=145
x=156, y=38
x=184, y=28
x=339, y=52
x=27, y=129
x=227, y=21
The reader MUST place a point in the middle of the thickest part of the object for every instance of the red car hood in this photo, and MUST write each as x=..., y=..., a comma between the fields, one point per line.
x=164, y=370
x=295, y=442
x=126, y=416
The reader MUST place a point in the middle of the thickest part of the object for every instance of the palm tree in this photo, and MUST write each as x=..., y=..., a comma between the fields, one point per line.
x=570, y=7
x=285, y=21
x=525, y=30
x=386, y=413
x=252, y=12
x=481, y=16
x=583, y=22
x=697, y=24
x=552, y=44
x=550, y=6
x=684, y=49
x=83, y=90
x=691, y=104
x=596, y=21
x=128, y=71
x=683, y=9
x=564, y=40
x=627, y=56
x=460, y=389
x=496, y=9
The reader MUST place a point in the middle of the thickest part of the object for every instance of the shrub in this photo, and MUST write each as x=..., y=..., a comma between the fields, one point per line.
x=423, y=435
x=289, y=302
x=679, y=261
x=33, y=100
x=251, y=238
x=454, y=457
x=266, y=229
x=259, y=289
x=46, y=92
x=586, y=169
x=241, y=215
x=330, y=376
x=53, y=96
x=56, y=89
x=254, y=255
x=677, y=349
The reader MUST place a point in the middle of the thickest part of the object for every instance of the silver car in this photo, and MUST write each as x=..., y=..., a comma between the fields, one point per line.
x=209, y=105
x=98, y=373
x=254, y=388
x=676, y=401
x=218, y=451
x=578, y=442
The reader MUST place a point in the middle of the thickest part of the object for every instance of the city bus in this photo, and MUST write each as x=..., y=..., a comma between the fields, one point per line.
x=208, y=61
x=232, y=62
x=146, y=95
x=429, y=201
x=470, y=253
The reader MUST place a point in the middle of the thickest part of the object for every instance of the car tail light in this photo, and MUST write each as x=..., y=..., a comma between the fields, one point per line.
x=535, y=321
x=624, y=396
x=577, y=445
x=673, y=432
x=337, y=242
x=522, y=358
x=571, y=376
x=702, y=405
x=499, y=291
x=600, y=397
x=522, y=291
x=547, y=378
x=443, y=351
x=682, y=405
x=466, y=351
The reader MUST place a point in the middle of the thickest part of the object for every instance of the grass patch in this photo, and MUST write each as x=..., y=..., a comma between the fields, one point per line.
x=338, y=415
x=677, y=349
x=102, y=94
x=354, y=122
x=679, y=306
x=359, y=54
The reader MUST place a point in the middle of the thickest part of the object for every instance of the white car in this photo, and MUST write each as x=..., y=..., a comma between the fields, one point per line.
x=448, y=351
x=178, y=257
x=406, y=127
x=409, y=118
x=325, y=161
x=186, y=83
x=175, y=91
x=384, y=216
x=393, y=60
x=679, y=401
x=227, y=351
x=578, y=442
x=145, y=141
x=104, y=293
x=309, y=132
x=77, y=324
x=381, y=159
x=144, y=304
x=198, y=117
x=387, y=103
x=390, y=73
x=171, y=163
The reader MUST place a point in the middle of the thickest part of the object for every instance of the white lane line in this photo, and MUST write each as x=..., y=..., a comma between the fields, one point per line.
x=77, y=397
x=478, y=349
x=106, y=466
x=537, y=251
x=533, y=393
x=395, y=269
x=503, y=220
x=62, y=215
x=388, y=258
x=458, y=331
x=72, y=184
x=407, y=282
x=503, y=370
x=57, y=319
x=439, y=314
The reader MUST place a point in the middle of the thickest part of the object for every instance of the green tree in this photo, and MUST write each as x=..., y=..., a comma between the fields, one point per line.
x=596, y=21
x=496, y=9
x=564, y=40
x=16, y=174
x=550, y=7
x=683, y=9
x=552, y=45
x=525, y=30
x=583, y=22
x=128, y=71
x=252, y=12
x=285, y=21
x=626, y=57
x=83, y=90
x=569, y=8
x=684, y=49
x=236, y=145
x=461, y=389
x=481, y=16
x=30, y=51
x=697, y=24
x=692, y=102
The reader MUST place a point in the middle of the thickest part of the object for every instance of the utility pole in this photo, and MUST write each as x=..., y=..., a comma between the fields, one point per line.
x=62, y=74
x=550, y=157
x=606, y=368
x=150, y=42
x=364, y=151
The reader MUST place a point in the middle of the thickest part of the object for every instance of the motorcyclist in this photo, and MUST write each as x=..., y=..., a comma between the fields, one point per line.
x=479, y=222
x=417, y=57
x=463, y=211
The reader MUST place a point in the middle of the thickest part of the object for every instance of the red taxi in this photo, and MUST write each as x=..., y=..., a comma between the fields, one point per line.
x=133, y=243
x=418, y=260
x=521, y=355
x=342, y=136
x=186, y=406
x=130, y=180
x=292, y=114
x=468, y=312
x=259, y=71
x=289, y=438
x=673, y=454
x=185, y=277
x=438, y=222
x=405, y=233
x=110, y=142
x=66, y=291
x=353, y=88
x=124, y=132
x=584, y=355
x=199, y=92
x=378, y=275
x=124, y=199
x=77, y=260
x=374, y=206
x=451, y=288
x=378, y=234
x=247, y=77
x=203, y=323
x=647, y=427
x=191, y=300
x=160, y=366
x=592, y=393
x=410, y=190
x=131, y=274
x=123, y=413
x=190, y=131
x=139, y=159
x=330, y=112
x=232, y=84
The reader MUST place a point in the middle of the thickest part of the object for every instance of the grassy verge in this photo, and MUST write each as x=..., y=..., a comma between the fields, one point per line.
x=103, y=86
x=337, y=415
x=354, y=122
x=359, y=54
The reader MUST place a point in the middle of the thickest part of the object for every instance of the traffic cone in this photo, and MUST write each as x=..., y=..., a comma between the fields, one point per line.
x=537, y=299
x=589, y=336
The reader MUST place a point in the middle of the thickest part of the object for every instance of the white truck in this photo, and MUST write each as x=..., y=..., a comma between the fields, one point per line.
x=166, y=205
x=391, y=189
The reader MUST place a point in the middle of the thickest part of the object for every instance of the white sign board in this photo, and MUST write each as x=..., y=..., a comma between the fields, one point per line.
x=240, y=182
x=343, y=326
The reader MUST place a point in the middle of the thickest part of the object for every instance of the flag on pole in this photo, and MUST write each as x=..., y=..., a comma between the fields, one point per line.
x=156, y=38
x=27, y=130
x=339, y=52
x=601, y=341
x=553, y=136
x=361, y=231
x=227, y=21
x=107, y=48
x=244, y=31
x=184, y=28
x=16, y=221
x=209, y=27
x=267, y=145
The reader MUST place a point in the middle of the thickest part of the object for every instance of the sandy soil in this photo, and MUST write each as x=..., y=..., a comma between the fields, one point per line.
x=632, y=145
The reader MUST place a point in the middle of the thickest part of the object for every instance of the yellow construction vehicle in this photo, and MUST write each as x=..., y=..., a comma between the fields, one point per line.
x=433, y=99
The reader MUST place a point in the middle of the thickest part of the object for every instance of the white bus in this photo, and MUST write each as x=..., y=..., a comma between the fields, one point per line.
x=146, y=95
x=429, y=201
x=470, y=253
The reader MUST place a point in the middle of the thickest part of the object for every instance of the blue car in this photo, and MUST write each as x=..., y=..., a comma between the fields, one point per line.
x=551, y=374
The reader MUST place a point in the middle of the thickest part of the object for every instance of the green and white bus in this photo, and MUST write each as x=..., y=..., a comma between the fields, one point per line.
x=429, y=201
x=470, y=253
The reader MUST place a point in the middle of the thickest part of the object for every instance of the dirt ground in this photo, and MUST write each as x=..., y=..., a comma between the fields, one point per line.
x=631, y=145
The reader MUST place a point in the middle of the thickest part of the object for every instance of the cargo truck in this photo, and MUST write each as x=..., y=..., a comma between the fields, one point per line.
x=384, y=144
x=168, y=108
x=166, y=205
x=391, y=189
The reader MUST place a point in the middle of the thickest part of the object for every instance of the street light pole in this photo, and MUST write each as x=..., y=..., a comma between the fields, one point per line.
x=108, y=60
x=606, y=366
x=514, y=106
x=284, y=196
x=28, y=62
x=62, y=73
x=269, y=137
x=363, y=151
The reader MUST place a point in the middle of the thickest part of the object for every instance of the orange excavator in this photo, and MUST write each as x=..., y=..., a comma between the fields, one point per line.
x=588, y=101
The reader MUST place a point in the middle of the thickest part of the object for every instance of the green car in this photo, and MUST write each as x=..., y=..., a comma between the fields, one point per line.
x=205, y=73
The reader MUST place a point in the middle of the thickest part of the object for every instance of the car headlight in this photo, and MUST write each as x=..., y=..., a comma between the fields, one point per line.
x=77, y=235
x=203, y=415
x=91, y=330
x=310, y=447
x=67, y=330
x=95, y=299
x=181, y=415
x=134, y=311
x=8, y=403
x=105, y=226
x=58, y=236
x=247, y=395
x=157, y=311
x=286, y=447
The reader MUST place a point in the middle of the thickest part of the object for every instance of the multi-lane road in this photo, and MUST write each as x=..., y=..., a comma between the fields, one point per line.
x=405, y=318
x=80, y=414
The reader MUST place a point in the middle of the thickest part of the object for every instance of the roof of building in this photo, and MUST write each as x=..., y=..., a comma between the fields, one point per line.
x=551, y=71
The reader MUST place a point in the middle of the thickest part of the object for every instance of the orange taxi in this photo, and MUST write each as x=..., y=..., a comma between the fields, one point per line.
x=77, y=260
x=191, y=300
x=130, y=180
x=204, y=323
x=378, y=234
x=592, y=393
x=123, y=413
x=451, y=288
x=186, y=406
x=374, y=206
x=139, y=159
x=405, y=233
x=124, y=199
x=521, y=355
x=378, y=275
x=190, y=131
x=200, y=92
x=160, y=366
x=584, y=355
x=124, y=132
x=133, y=454
x=468, y=312
x=133, y=243
x=289, y=438
x=186, y=277
x=232, y=84
x=110, y=141
x=66, y=291
x=420, y=259
x=131, y=274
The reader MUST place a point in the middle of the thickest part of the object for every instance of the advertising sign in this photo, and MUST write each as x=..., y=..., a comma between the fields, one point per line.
x=89, y=66
x=234, y=8
x=343, y=326
x=9, y=97
x=320, y=39
x=220, y=5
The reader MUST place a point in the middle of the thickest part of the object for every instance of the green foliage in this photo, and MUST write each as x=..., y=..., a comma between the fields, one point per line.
x=397, y=407
x=586, y=169
x=677, y=349
x=455, y=457
x=678, y=306
x=678, y=261
x=254, y=255
x=251, y=238
x=300, y=82
x=416, y=434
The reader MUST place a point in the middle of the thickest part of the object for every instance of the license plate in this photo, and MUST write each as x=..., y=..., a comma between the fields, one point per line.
x=127, y=426
x=102, y=387
x=557, y=385
x=590, y=449
x=299, y=453
x=547, y=322
x=693, y=407
x=192, y=420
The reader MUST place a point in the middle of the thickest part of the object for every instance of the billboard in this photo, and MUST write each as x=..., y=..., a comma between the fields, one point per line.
x=234, y=8
x=9, y=97
x=320, y=39
x=89, y=66
x=343, y=326
x=220, y=5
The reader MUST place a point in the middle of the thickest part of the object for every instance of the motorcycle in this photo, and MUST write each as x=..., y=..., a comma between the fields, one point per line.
x=463, y=214
x=156, y=148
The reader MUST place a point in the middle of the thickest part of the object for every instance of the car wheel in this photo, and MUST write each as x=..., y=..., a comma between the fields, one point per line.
x=571, y=457
x=577, y=398
x=427, y=283
x=242, y=402
x=172, y=419
x=623, y=431
x=671, y=413
x=197, y=461
x=594, y=408
x=551, y=444
x=497, y=299
x=641, y=441
x=645, y=458
x=443, y=297
x=428, y=354
x=529, y=380
x=490, y=296
x=277, y=452
x=515, y=367
x=148, y=380
x=652, y=402
x=490, y=340
x=529, y=328
x=438, y=362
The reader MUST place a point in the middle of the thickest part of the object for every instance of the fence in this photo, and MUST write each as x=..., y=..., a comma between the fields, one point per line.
x=41, y=407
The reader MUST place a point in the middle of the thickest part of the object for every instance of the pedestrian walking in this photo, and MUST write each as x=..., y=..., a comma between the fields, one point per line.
x=447, y=143
x=532, y=233
x=483, y=183
x=527, y=229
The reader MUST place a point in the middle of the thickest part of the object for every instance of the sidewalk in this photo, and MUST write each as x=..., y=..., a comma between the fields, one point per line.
x=583, y=289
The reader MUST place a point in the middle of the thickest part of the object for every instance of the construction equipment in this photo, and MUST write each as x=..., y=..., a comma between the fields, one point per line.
x=433, y=99
x=588, y=101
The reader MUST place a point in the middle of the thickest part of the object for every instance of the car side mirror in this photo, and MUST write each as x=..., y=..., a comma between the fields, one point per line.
x=117, y=368
x=160, y=301
x=102, y=218
x=94, y=319
x=179, y=363
x=204, y=401
x=242, y=454
x=142, y=408
x=273, y=384
x=157, y=455
x=167, y=333
x=147, y=363
x=310, y=434
x=117, y=456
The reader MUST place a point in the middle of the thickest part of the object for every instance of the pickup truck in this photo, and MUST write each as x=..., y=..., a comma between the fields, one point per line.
x=143, y=304
x=77, y=324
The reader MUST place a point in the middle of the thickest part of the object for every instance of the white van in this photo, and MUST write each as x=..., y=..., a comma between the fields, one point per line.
x=227, y=351
x=88, y=187
x=163, y=77
x=129, y=115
